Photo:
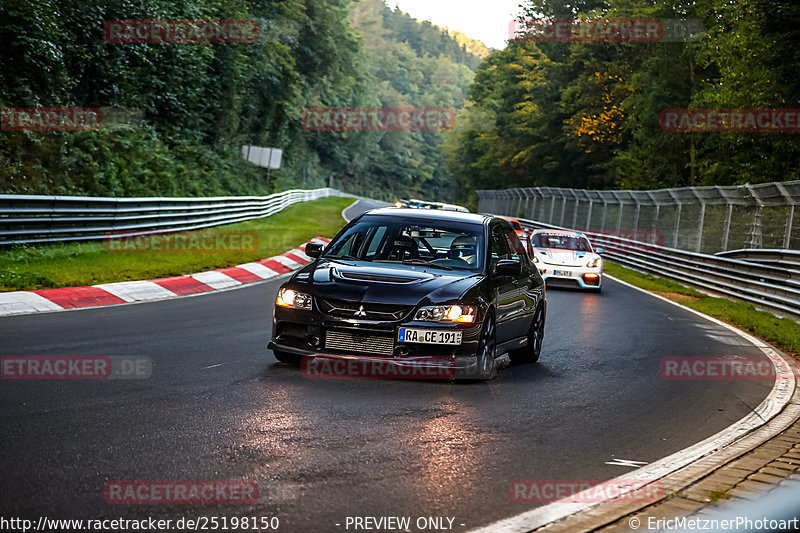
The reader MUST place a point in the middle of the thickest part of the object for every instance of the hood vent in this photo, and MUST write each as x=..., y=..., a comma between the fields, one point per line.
x=375, y=278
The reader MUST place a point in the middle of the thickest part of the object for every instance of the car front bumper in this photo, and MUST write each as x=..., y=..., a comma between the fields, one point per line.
x=571, y=276
x=305, y=334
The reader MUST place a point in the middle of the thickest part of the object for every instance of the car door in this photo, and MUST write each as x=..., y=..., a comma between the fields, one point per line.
x=505, y=290
x=529, y=286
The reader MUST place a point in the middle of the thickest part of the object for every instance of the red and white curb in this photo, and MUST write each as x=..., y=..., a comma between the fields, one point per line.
x=26, y=302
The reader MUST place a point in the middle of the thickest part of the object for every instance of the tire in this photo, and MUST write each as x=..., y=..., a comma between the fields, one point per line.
x=486, y=354
x=531, y=352
x=288, y=358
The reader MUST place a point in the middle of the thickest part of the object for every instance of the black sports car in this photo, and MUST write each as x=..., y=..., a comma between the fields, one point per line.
x=411, y=287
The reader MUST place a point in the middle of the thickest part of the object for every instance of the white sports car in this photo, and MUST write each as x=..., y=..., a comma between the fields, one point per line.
x=567, y=258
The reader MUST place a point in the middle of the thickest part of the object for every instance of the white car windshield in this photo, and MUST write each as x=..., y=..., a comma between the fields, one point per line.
x=561, y=242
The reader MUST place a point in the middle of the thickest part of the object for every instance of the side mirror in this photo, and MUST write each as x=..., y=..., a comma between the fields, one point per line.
x=508, y=267
x=313, y=249
x=600, y=250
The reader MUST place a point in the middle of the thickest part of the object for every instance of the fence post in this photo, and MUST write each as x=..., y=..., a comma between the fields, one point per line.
x=787, y=231
x=754, y=236
x=575, y=210
x=726, y=231
x=589, y=216
x=621, y=207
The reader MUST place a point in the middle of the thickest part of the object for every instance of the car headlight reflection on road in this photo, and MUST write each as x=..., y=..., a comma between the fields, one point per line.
x=293, y=299
x=594, y=263
x=447, y=313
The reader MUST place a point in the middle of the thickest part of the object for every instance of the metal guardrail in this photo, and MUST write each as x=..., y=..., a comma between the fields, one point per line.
x=701, y=219
x=789, y=259
x=39, y=219
x=775, y=288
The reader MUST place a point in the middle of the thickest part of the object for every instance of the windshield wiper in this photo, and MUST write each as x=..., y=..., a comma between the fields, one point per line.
x=344, y=257
x=415, y=262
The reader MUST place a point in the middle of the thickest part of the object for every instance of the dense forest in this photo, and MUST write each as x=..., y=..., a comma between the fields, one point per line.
x=176, y=115
x=573, y=114
x=586, y=113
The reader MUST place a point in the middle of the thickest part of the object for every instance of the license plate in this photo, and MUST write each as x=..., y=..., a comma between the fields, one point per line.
x=562, y=273
x=429, y=336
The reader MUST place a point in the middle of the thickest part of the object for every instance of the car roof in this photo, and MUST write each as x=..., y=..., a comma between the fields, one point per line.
x=431, y=214
x=559, y=232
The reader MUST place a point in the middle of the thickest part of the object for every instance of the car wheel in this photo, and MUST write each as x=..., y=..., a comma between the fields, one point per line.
x=531, y=352
x=487, y=350
x=288, y=358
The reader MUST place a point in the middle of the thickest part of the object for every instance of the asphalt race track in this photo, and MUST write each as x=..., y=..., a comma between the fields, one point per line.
x=218, y=407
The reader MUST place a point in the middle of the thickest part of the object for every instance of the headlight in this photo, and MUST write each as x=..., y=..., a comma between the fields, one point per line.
x=594, y=263
x=447, y=313
x=535, y=259
x=293, y=299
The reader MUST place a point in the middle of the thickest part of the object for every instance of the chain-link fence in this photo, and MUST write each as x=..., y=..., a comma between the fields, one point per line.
x=701, y=219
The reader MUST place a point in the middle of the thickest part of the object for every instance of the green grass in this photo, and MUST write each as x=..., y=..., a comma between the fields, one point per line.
x=79, y=264
x=782, y=332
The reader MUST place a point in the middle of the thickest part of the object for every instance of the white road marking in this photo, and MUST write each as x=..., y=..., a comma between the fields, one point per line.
x=626, y=462
x=213, y=366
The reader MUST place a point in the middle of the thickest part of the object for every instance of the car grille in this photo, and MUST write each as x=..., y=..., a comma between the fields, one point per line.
x=358, y=343
x=345, y=309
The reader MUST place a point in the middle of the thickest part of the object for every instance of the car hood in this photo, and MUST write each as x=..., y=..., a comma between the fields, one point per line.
x=385, y=283
x=558, y=257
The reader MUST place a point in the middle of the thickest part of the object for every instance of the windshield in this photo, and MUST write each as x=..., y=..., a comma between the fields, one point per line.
x=417, y=242
x=561, y=242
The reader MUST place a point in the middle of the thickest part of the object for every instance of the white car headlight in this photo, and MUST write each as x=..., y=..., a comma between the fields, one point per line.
x=594, y=262
x=464, y=314
x=293, y=299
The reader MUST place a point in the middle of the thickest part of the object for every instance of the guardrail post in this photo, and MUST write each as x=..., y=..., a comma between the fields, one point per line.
x=589, y=215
